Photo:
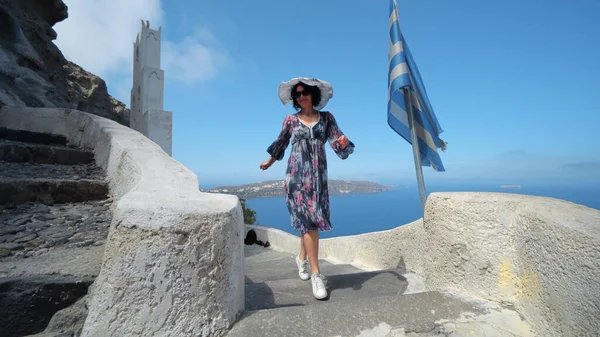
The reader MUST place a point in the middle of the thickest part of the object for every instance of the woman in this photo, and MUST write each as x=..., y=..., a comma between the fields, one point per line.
x=307, y=196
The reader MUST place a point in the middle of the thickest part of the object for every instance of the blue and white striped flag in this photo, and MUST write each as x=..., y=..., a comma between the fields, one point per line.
x=403, y=73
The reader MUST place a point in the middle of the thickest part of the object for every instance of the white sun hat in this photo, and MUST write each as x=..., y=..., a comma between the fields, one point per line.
x=285, y=90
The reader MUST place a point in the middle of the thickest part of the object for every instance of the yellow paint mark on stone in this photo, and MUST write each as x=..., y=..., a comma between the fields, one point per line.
x=531, y=285
x=526, y=285
x=507, y=275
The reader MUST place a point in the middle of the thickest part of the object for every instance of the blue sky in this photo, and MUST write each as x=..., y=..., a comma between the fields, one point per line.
x=514, y=84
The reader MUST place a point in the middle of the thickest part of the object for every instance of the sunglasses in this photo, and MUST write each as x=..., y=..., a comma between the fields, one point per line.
x=303, y=93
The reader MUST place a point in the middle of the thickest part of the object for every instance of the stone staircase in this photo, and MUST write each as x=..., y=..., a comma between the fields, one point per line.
x=54, y=220
x=360, y=303
x=41, y=168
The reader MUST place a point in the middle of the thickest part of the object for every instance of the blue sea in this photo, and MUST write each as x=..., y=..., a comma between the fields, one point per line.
x=353, y=214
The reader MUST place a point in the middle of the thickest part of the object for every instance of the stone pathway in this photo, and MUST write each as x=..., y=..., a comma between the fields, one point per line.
x=19, y=171
x=55, y=214
x=33, y=229
x=374, y=304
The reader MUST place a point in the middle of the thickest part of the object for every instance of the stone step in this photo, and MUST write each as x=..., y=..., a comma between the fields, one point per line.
x=285, y=268
x=253, y=253
x=413, y=313
x=27, y=304
x=295, y=292
x=32, y=137
x=266, y=264
x=51, y=191
x=27, y=171
x=28, y=230
x=17, y=152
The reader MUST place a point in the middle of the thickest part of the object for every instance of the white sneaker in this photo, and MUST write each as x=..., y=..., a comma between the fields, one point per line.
x=302, y=268
x=318, y=286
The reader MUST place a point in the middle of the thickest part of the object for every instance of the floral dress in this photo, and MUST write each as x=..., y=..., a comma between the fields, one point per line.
x=307, y=196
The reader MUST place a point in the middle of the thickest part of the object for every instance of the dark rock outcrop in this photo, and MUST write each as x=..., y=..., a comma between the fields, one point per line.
x=29, y=304
x=34, y=72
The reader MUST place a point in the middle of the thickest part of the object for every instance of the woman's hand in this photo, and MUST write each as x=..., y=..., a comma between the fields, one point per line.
x=266, y=164
x=343, y=141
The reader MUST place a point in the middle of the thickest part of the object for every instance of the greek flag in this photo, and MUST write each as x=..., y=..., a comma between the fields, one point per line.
x=403, y=78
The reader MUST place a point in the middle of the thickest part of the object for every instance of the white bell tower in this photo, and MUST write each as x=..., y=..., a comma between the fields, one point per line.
x=147, y=114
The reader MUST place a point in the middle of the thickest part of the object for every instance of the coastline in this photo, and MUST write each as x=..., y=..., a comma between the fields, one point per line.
x=274, y=188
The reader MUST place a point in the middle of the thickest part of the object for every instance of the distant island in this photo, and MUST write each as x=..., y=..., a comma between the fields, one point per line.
x=274, y=188
x=511, y=186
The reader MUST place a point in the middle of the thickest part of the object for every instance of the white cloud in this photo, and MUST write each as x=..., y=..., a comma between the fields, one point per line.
x=194, y=59
x=99, y=36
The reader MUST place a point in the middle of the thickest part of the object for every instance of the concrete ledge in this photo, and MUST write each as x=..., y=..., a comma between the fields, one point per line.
x=370, y=251
x=173, y=262
x=540, y=255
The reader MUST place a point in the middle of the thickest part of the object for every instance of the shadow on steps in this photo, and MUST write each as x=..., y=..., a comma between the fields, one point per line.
x=28, y=304
x=356, y=281
x=295, y=292
x=32, y=137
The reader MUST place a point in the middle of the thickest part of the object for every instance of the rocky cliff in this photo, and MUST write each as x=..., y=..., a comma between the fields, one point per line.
x=34, y=72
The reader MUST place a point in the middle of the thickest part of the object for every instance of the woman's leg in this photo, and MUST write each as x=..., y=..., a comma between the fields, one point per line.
x=301, y=261
x=311, y=247
x=302, y=249
x=311, y=244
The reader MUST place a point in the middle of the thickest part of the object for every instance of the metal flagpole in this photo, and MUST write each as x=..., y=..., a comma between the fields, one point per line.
x=413, y=133
x=415, y=145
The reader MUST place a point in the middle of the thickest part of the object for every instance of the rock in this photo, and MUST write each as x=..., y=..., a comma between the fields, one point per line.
x=90, y=227
x=10, y=246
x=58, y=221
x=35, y=243
x=28, y=304
x=91, y=95
x=50, y=191
x=40, y=208
x=55, y=231
x=36, y=226
x=44, y=217
x=78, y=237
x=20, y=220
x=68, y=321
x=10, y=230
x=31, y=253
x=52, y=242
x=26, y=238
x=34, y=72
x=72, y=217
x=4, y=252
x=84, y=243
x=92, y=220
x=29, y=235
x=19, y=235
